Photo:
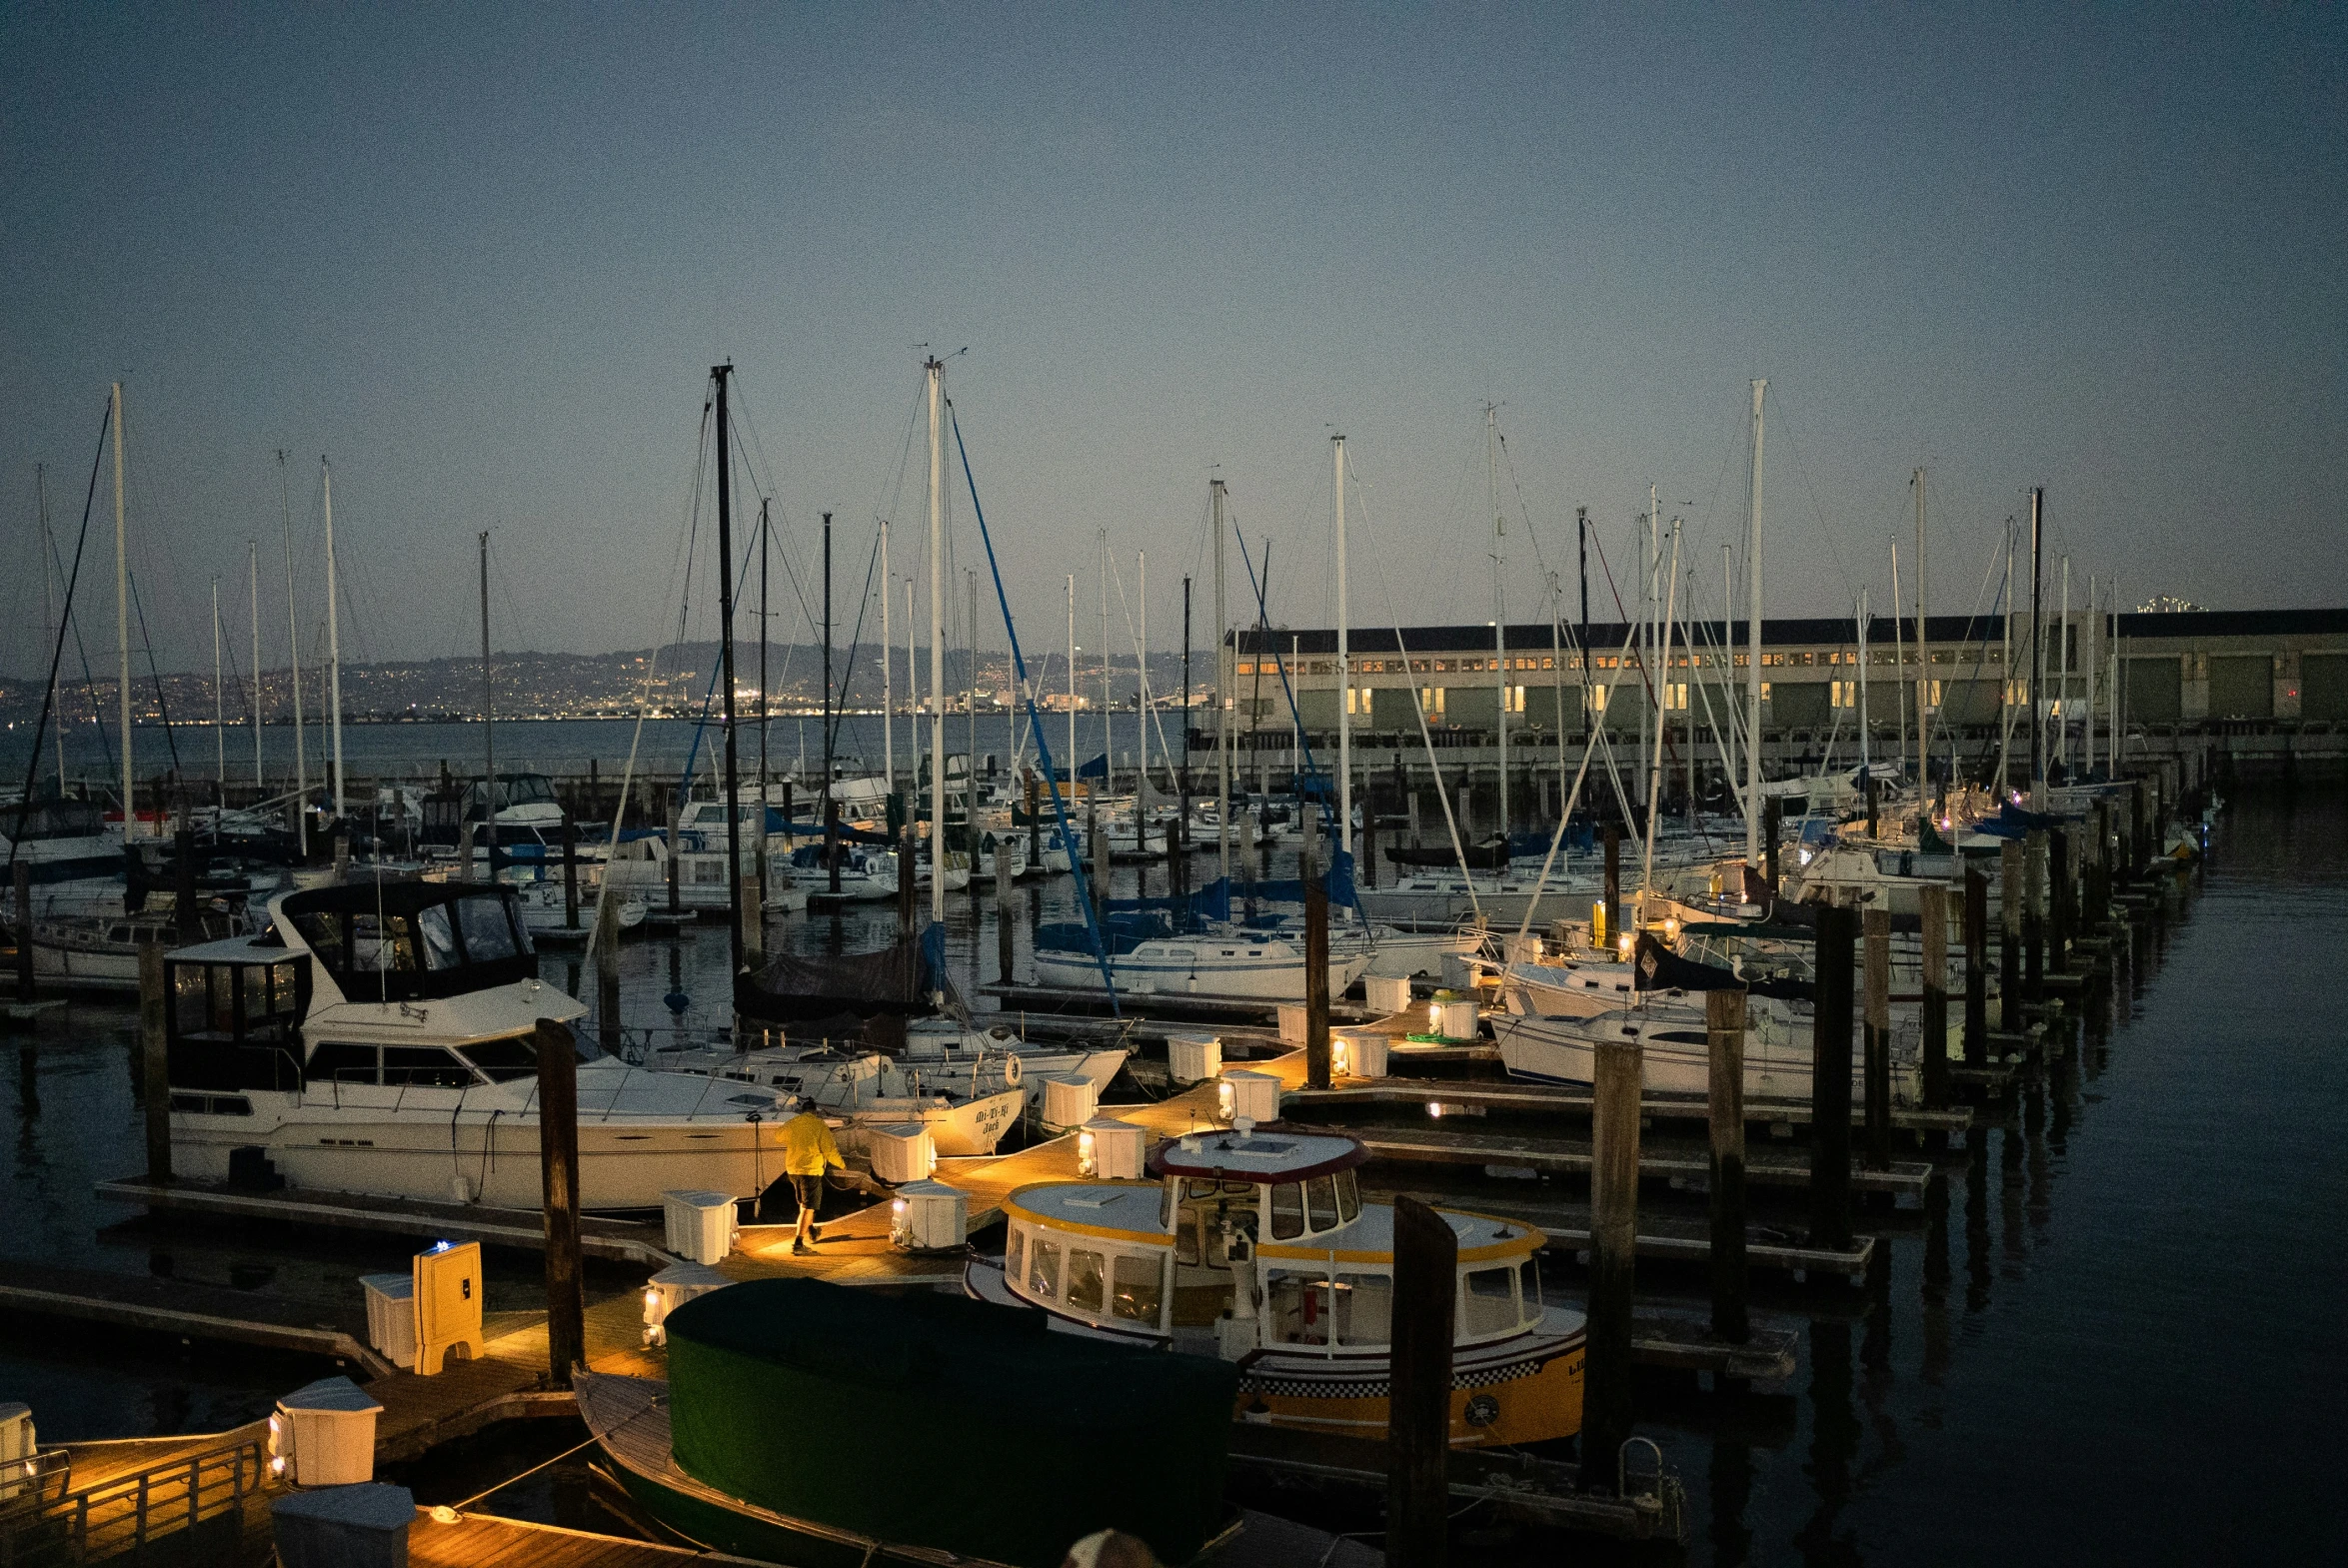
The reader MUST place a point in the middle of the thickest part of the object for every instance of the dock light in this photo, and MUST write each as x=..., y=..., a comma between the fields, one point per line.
x=1671, y=926
x=1086, y=1163
x=1222, y=1092
x=1622, y=946
x=1434, y=1108
x=1337, y=1058
x=652, y=1297
x=277, y=1465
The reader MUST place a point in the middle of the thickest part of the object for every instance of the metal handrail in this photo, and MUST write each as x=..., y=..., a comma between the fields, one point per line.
x=125, y=1513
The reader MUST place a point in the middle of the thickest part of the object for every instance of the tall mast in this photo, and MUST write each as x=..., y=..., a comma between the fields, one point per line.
x=1753, y=671
x=253, y=570
x=219, y=698
x=1491, y=482
x=1186, y=774
x=1345, y=670
x=824, y=797
x=1866, y=766
x=293, y=640
x=1900, y=658
x=1650, y=690
x=937, y=370
x=2062, y=696
x=724, y=375
x=130, y=798
x=1923, y=667
x=1729, y=657
x=489, y=752
x=2087, y=736
x=888, y=694
x=48, y=618
x=1108, y=725
x=2037, y=648
x=2005, y=665
x=969, y=802
x=1581, y=551
x=1142, y=686
x=334, y=647
x=762, y=639
x=1225, y=672
x=1071, y=681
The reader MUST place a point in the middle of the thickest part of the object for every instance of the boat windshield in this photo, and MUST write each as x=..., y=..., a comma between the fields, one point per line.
x=414, y=939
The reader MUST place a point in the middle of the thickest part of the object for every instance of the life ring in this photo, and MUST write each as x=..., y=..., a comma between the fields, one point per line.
x=1012, y=1069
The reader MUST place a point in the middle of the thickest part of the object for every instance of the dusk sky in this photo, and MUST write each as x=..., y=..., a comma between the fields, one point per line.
x=483, y=259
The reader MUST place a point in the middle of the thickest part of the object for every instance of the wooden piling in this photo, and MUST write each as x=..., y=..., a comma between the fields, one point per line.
x=1005, y=936
x=342, y=851
x=1772, y=819
x=1724, y=1027
x=1614, y=1197
x=154, y=1061
x=558, y=1155
x=1418, y=1408
x=1613, y=886
x=1102, y=860
x=2034, y=915
x=1317, y=1053
x=570, y=872
x=25, y=975
x=2058, y=902
x=1936, y=906
x=2009, y=948
x=1831, y=1080
x=904, y=881
x=1871, y=803
x=1976, y=935
x=1875, y=1033
x=187, y=913
x=465, y=853
x=606, y=977
x=674, y=906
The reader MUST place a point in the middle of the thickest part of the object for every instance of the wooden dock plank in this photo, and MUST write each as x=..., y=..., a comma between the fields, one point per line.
x=477, y=1538
x=176, y=1307
x=1560, y=1100
x=1682, y=1162
x=1665, y=1237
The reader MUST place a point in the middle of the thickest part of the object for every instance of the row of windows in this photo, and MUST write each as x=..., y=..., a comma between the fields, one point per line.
x=1126, y=1286
x=1677, y=660
x=422, y=1066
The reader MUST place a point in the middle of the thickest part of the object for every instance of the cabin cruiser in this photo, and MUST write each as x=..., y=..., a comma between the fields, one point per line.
x=866, y=875
x=546, y=906
x=60, y=838
x=1675, y=1049
x=1255, y=1245
x=380, y=1038
x=638, y=869
x=1234, y=963
x=863, y=1089
x=946, y=1051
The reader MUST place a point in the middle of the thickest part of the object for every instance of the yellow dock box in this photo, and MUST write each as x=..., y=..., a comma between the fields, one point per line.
x=448, y=1303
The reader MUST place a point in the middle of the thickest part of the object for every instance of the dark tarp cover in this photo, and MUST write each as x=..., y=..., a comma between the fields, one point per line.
x=794, y=989
x=941, y=1421
x=1658, y=969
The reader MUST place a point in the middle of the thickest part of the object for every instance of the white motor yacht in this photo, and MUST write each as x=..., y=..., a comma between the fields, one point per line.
x=863, y=1089
x=1212, y=965
x=380, y=1038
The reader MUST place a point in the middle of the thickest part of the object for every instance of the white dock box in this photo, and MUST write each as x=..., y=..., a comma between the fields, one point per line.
x=18, y=1445
x=1193, y=1058
x=1292, y=1023
x=670, y=1289
x=1359, y=1053
x=1255, y=1096
x=1455, y=1017
x=344, y=1527
x=1114, y=1148
x=391, y=1317
x=928, y=1216
x=700, y=1225
x=1068, y=1102
x=903, y=1153
x=323, y=1432
x=1387, y=993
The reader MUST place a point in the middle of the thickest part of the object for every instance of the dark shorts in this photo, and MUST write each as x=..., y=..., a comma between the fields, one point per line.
x=809, y=1190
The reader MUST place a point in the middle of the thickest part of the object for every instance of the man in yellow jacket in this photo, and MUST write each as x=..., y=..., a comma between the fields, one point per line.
x=808, y=1151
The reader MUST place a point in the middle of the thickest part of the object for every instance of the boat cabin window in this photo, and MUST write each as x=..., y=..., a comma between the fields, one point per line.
x=413, y=939
x=1014, y=1254
x=1529, y=1289
x=1349, y=1197
x=1320, y=1195
x=489, y=932
x=503, y=1061
x=1366, y=1309
x=1139, y=1290
x=232, y=1026
x=440, y=937
x=1490, y=1306
x=1043, y=1269
x=382, y=944
x=334, y=1061
x=425, y=1066
x=1084, y=1280
x=1288, y=1210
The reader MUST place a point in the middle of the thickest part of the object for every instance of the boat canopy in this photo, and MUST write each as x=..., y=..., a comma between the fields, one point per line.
x=397, y=941
x=1264, y=1156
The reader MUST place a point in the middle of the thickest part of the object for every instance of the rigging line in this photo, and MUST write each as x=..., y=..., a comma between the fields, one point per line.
x=1118, y=576
x=1433, y=764
x=66, y=619
x=162, y=706
x=1068, y=837
x=856, y=641
x=759, y=488
x=701, y=463
x=1850, y=587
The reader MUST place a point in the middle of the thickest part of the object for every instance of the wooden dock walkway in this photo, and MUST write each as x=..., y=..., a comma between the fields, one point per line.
x=178, y=1306
x=478, y=1539
x=1665, y=1237
x=1545, y=1100
x=1684, y=1162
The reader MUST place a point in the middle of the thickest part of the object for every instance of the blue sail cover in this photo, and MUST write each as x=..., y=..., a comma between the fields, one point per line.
x=1095, y=768
x=1339, y=879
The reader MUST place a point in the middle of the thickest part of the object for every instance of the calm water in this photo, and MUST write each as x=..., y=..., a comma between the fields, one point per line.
x=2113, y=1332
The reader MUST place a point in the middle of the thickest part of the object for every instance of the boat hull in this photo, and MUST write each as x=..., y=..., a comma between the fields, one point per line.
x=1501, y=1395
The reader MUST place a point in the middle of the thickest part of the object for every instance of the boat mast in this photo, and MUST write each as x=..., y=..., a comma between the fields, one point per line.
x=334, y=647
x=1729, y=657
x=48, y=615
x=1071, y=681
x=824, y=813
x=1224, y=670
x=970, y=772
x=1752, y=574
x=489, y=754
x=1923, y=667
x=2037, y=648
x=888, y=692
x=292, y=639
x=2062, y=697
x=1107, y=723
x=253, y=570
x=1344, y=670
x=763, y=502
x=1581, y=549
x=734, y=947
x=219, y=699
x=937, y=371
x=1899, y=655
x=2005, y=663
x=1866, y=765
x=1647, y=873
x=1140, y=686
x=130, y=799
x=1491, y=484
x=2087, y=733
x=1650, y=693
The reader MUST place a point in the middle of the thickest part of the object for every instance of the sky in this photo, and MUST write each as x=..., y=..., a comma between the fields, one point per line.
x=483, y=258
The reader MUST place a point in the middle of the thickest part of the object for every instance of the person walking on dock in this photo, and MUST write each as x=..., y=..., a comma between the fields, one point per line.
x=808, y=1151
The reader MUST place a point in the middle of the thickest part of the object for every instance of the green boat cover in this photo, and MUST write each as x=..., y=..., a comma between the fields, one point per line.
x=941, y=1421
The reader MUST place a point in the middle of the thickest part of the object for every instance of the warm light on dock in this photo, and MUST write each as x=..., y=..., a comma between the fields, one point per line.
x=1086, y=1162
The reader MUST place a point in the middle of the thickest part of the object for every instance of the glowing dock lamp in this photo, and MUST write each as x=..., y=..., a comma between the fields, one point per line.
x=1341, y=1056
x=1224, y=1092
x=1622, y=946
x=1084, y=1159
